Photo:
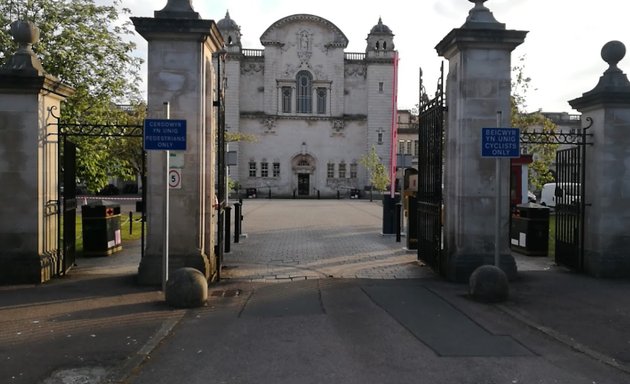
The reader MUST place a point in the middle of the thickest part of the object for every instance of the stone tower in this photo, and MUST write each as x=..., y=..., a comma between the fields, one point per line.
x=231, y=33
x=379, y=58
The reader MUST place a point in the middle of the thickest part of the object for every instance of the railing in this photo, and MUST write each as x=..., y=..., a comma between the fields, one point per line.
x=254, y=52
x=354, y=56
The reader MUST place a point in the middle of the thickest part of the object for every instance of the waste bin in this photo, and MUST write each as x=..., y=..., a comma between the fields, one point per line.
x=251, y=193
x=355, y=193
x=529, y=231
x=389, y=213
x=101, y=229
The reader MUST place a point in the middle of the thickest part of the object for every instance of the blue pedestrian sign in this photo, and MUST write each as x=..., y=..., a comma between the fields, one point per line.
x=500, y=142
x=164, y=135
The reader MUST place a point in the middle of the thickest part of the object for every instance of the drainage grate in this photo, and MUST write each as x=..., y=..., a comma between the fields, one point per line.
x=226, y=293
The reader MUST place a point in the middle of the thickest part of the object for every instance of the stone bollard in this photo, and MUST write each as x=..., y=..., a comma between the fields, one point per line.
x=489, y=284
x=186, y=288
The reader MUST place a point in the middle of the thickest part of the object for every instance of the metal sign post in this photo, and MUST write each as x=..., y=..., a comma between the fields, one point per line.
x=499, y=143
x=165, y=135
x=167, y=198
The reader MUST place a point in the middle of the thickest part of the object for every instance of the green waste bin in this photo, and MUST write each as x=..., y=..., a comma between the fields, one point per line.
x=529, y=231
x=101, y=229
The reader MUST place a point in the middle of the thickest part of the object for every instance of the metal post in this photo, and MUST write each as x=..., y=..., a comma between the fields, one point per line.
x=144, y=201
x=397, y=218
x=166, y=210
x=221, y=163
x=497, y=206
x=228, y=224
x=237, y=222
x=130, y=222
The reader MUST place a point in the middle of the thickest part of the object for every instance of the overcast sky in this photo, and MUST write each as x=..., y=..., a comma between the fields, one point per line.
x=562, y=48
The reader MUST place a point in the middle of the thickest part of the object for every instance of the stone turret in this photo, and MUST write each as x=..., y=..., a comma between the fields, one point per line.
x=380, y=39
x=230, y=31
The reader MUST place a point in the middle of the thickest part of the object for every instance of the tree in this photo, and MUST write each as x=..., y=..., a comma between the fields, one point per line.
x=544, y=152
x=83, y=45
x=379, y=179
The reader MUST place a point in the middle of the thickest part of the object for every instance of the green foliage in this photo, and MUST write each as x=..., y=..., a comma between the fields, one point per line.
x=379, y=178
x=231, y=137
x=543, y=154
x=83, y=45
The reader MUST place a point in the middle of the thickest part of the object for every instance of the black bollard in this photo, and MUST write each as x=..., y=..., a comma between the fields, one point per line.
x=397, y=218
x=294, y=193
x=237, y=222
x=318, y=194
x=130, y=222
x=228, y=212
x=338, y=195
x=270, y=193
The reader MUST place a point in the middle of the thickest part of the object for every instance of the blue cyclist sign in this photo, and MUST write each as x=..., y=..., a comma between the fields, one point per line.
x=500, y=142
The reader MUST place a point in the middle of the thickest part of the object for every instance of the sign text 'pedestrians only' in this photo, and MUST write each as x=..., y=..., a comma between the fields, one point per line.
x=164, y=135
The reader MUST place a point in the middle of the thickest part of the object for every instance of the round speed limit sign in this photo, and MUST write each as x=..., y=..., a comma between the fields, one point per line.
x=175, y=178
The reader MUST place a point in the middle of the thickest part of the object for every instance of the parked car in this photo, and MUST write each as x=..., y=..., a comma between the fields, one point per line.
x=568, y=193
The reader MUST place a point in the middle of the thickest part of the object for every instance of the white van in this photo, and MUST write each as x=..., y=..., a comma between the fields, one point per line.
x=568, y=193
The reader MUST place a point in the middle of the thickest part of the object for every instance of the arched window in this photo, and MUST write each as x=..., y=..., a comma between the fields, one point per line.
x=304, y=92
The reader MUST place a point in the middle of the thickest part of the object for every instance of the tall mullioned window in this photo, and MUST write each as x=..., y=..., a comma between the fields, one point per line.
x=331, y=171
x=252, y=169
x=304, y=92
x=287, y=95
x=401, y=146
x=276, y=169
x=353, y=170
x=342, y=170
x=321, y=100
x=264, y=169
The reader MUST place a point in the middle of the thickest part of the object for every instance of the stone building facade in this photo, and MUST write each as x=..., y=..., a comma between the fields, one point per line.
x=314, y=109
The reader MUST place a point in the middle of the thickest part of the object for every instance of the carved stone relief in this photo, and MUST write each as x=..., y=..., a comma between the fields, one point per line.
x=337, y=128
x=269, y=123
x=355, y=70
x=252, y=68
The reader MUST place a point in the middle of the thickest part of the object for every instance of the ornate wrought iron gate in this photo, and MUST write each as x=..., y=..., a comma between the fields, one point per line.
x=68, y=232
x=430, y=166
x=67, y=173
x=571, y=203
x=570, y=192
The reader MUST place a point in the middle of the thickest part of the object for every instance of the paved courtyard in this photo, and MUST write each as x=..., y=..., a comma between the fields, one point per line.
x=290, y=240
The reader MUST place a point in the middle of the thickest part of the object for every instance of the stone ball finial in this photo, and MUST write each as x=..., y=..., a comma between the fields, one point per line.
x=24, y=60
x=480, y=17
x=613, y=52
x=25, y=33
x=178, y=9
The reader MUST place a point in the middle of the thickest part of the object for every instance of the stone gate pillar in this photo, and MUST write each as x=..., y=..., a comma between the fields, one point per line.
x=607, y=216
x=478, y=85
x=28, y=164
x=180, y=72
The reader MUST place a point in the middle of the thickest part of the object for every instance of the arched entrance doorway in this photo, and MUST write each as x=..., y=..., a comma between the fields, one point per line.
x=303, y=167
